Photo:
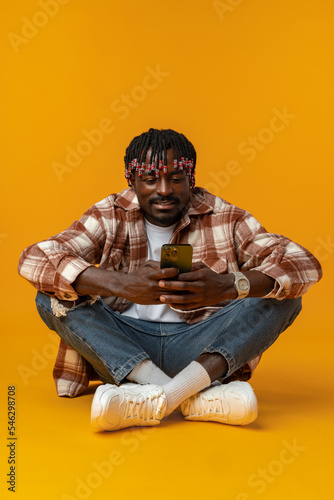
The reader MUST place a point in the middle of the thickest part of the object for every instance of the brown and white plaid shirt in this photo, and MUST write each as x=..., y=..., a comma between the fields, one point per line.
x=111, y=234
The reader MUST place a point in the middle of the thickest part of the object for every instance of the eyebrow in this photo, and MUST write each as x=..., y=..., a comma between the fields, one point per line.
x=148, y=174
x=170, y=174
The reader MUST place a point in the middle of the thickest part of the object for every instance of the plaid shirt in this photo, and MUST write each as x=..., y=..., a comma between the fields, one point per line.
x=111, y=234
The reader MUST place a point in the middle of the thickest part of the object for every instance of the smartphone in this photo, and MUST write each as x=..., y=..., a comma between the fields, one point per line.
x=179, y=256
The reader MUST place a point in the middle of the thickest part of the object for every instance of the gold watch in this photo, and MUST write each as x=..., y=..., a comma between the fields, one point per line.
x=241, y=284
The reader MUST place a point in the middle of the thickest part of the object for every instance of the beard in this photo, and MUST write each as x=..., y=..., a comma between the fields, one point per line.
x=167, y=219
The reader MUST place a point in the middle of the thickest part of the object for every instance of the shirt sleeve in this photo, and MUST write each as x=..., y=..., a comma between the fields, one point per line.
x=52, y=265
x=292, y=266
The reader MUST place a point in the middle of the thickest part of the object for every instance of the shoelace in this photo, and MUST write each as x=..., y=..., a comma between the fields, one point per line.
x=141, y=407
x=201, y=406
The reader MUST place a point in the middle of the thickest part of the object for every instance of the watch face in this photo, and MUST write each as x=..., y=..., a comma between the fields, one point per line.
x=243, y=285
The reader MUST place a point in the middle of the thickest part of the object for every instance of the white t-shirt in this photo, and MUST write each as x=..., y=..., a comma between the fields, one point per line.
x=156, y=236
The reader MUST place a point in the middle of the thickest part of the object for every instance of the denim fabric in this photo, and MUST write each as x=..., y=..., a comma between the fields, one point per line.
x=115, y=344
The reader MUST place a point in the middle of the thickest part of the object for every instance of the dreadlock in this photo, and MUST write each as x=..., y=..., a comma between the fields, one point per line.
x=160, y=141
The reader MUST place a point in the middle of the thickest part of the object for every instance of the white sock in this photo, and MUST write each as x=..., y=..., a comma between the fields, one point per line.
x=189, y=381
x=146, y=372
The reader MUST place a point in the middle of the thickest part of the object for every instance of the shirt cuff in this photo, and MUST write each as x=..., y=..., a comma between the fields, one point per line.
x=68, y=271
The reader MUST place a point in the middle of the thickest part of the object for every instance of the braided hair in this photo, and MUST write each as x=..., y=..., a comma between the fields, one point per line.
x=160, y=141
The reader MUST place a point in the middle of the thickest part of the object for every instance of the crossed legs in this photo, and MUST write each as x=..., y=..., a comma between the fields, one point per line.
x=194, y=355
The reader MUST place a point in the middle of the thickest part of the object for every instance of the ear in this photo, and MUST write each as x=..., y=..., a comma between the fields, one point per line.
x=132, y=180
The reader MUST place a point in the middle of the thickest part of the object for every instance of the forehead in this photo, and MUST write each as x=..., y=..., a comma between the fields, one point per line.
x=169, y=167
x=166, y=161
x=169, y=171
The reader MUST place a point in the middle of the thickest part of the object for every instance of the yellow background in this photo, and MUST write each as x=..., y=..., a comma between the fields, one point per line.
x=225, y=69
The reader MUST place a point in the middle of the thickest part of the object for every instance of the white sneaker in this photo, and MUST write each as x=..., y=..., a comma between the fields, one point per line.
x=234, y=403
x=115, y=407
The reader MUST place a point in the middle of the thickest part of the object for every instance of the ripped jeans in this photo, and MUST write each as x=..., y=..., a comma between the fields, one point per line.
x=114, y=344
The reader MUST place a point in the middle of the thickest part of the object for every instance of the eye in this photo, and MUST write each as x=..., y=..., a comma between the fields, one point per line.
x=149, y=180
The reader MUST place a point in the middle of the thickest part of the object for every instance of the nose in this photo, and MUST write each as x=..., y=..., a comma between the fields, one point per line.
x=164, y=186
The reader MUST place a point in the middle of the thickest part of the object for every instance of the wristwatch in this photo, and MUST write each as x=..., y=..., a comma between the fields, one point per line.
x=241, y=284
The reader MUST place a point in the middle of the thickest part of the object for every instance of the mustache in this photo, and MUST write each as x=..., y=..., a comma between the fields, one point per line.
x=159, y=199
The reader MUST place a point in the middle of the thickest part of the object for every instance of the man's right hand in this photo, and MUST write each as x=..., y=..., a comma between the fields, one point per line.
x=140, y=287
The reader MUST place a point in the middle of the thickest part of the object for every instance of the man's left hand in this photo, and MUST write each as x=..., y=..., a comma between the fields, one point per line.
x=201, y=287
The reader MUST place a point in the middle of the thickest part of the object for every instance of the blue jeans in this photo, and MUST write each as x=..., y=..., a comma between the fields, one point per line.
x=114, y=344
